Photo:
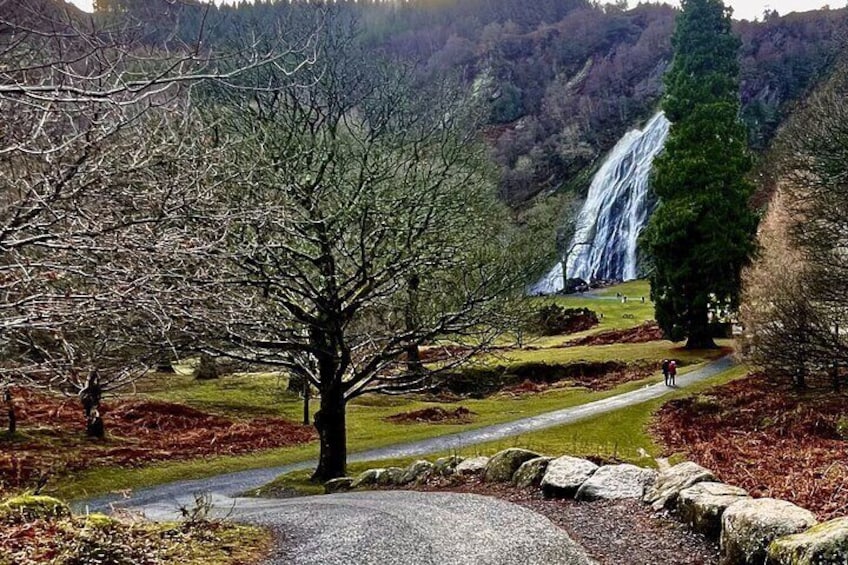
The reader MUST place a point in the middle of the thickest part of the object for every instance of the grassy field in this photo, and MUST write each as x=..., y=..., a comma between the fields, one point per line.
x=620, y=435
x=257, y=395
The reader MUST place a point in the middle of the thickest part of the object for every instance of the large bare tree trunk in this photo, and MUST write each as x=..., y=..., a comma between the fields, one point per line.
x=330, y=423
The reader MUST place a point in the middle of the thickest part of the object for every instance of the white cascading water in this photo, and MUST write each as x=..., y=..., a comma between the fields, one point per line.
x=617, y=208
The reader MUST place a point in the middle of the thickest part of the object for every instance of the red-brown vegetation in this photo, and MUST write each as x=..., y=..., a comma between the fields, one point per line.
x=138, y=432
x=649, y=331
x=435, y=415
x=768, y=439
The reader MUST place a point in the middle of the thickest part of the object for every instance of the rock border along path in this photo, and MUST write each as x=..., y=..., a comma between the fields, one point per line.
x=231, y=484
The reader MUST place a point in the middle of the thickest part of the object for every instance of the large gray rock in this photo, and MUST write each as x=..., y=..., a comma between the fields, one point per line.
x=391, y=476
x=702, y=505
x=825, y=544
x=446, y=466
x=417, y=472
x=367, y=478
x=674, y=479
x=612, y=482
x=565, y=475
x=342, y=484
x=503, y=465
x=472, y=466
x=749, y=526
x=531, y=472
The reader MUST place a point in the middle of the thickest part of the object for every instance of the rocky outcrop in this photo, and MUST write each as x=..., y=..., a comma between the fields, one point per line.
x=531, y=472
x=472, y=466
x=446, y=466
x=749, y=526
x=565, y=475
x=416, y=472
x=368, y=478
x=34, y=507
x=503, y=465
x=674, y=479
x=825, y=544
x=701, y=506
x=342, y=484
x=612, y=482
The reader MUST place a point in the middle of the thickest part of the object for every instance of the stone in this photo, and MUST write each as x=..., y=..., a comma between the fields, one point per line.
x=342, y=484
x=674, y=479
x=565, y=475
x=472, y=466
x=612, y=482
x=99, y=521
x=825, y=544
x=367, y=478
x=503, y=465
x=749, y=526
x=702, y=505
x=34, y=507
x=446, y=466
x=391, y=476
x=531, y=472
x=416, y=472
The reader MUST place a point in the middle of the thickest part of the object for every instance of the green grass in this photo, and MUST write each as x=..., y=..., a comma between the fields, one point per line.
x=620, y=435
x=626, y=352
x=367, y=429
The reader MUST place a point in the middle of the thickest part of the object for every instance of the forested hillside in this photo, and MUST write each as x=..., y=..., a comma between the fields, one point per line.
x=563, y=78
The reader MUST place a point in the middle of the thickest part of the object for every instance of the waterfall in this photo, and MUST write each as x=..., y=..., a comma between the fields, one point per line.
x=617, y=207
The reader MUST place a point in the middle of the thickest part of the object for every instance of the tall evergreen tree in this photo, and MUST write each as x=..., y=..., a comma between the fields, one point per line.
x=702, y=232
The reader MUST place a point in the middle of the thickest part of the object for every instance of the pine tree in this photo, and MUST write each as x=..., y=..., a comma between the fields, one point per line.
x=702, y=232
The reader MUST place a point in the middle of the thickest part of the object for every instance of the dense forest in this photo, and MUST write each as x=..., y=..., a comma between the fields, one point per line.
x=562, y=79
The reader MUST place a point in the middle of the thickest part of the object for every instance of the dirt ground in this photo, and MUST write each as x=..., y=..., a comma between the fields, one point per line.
x=51, y=437
x=767, y=438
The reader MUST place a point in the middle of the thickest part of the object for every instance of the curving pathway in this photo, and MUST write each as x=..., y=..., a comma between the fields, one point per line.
x=402, y=527
x=231, y=484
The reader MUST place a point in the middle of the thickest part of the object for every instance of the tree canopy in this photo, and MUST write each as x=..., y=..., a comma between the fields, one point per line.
x=702, y=233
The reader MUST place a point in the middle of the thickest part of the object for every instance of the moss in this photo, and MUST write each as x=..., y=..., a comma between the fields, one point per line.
x=34, y=507
x=97, y=520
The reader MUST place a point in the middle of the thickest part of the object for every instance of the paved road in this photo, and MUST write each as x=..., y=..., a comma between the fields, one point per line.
x=232, y=484
x=401, y=527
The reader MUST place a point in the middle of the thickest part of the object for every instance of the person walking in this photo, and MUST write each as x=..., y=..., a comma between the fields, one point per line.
x=665, y=371
x=672, y=371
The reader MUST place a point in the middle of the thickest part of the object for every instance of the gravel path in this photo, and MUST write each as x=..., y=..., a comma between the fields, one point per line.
x=614, y=532
x=232, y=484
x=403, y=527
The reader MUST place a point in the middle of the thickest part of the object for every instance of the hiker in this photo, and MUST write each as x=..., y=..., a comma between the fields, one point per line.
x=672, y=371
x=665, y=371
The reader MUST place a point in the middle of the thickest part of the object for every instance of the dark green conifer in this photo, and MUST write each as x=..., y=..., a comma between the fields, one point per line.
x=702, y=232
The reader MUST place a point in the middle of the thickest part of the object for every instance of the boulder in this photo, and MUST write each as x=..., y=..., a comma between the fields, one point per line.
x=473, y=466
x=674, y=479
x=702, y=505
x=416, y=472
x=34, y=507
x=503, y=465
x=390, y=477
x=446, y=466
x=341, y=484
x=749, y=526
x=825, y=544
x=612, y=482
x=565, y=475
x=367, y=478
x=531, y=472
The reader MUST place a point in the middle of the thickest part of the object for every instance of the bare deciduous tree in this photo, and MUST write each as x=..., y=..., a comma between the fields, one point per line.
x=361, y=225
